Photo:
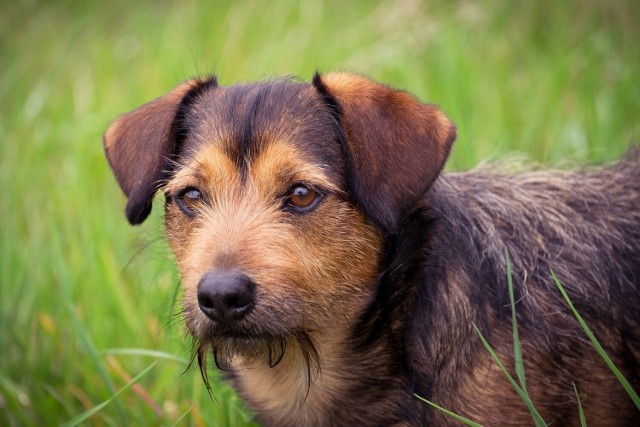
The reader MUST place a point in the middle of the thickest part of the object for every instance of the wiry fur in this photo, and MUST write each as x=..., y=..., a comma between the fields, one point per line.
x=371, y=297
x=583, y=226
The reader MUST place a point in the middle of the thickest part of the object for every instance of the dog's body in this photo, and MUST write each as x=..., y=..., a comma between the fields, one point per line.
x=334, y=278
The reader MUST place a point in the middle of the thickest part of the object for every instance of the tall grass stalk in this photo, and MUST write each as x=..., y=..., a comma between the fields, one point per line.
x=517, y=351
x=146, y=353
x=537, y=419
x=583, y=420
x=520, y=388
x=88, y=414
x=603, y=354
x=450, y=413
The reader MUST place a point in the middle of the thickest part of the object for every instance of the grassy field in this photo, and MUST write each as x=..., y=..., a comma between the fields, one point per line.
x=87, y=302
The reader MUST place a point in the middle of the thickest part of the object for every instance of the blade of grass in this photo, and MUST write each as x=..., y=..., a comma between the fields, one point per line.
x=630, y=391
x=583, y=420
x=144, y=352
x=452, y=414
x=138, y=389
x=523, y=394
x=183, y=416
x=517, y=351
x=87, y=414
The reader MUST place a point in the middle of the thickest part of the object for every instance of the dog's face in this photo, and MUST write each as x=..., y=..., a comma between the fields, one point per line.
x=268, y=243
x=279, y=196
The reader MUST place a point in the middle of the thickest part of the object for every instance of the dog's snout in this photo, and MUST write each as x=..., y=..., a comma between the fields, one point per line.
x=226, y=296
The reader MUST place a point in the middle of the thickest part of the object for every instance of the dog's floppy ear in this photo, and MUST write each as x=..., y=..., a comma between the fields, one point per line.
x=395, y=146
x=139, y=145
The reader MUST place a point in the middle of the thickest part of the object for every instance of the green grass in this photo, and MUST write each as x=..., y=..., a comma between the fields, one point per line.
x=555, y=81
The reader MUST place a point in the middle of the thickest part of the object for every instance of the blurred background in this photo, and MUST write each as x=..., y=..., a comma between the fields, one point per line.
x=88, y=303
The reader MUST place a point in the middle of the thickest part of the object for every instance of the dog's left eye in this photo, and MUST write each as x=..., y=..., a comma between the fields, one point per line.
x=189, y=200
x=302, y=198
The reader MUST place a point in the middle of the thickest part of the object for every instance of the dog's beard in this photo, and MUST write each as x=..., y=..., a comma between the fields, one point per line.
x=262, y=349
x=266, y=349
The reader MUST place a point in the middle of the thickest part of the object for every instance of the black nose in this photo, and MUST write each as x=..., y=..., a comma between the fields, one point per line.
x=226, y=296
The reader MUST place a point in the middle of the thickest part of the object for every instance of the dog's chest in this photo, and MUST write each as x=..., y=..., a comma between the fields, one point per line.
x=282, y=395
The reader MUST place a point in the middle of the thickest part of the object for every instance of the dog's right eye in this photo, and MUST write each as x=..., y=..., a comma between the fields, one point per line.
x=189, y=201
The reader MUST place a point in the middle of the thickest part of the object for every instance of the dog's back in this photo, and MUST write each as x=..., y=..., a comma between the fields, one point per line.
x=585, y=227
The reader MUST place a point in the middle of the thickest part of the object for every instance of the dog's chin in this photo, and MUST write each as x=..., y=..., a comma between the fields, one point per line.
x=230, y=347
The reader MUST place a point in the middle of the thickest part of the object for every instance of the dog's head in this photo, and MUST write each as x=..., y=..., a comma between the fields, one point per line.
x=279, y=196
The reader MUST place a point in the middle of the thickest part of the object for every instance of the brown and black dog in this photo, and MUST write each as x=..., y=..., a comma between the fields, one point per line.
x=335, y=275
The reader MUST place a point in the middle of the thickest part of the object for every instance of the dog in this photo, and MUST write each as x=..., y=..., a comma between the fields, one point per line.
x=336, y=276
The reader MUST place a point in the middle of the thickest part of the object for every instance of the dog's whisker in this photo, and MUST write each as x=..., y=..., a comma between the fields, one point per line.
x=202, y=364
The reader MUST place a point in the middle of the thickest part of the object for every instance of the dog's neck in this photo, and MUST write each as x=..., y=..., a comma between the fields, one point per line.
x=294, y=392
